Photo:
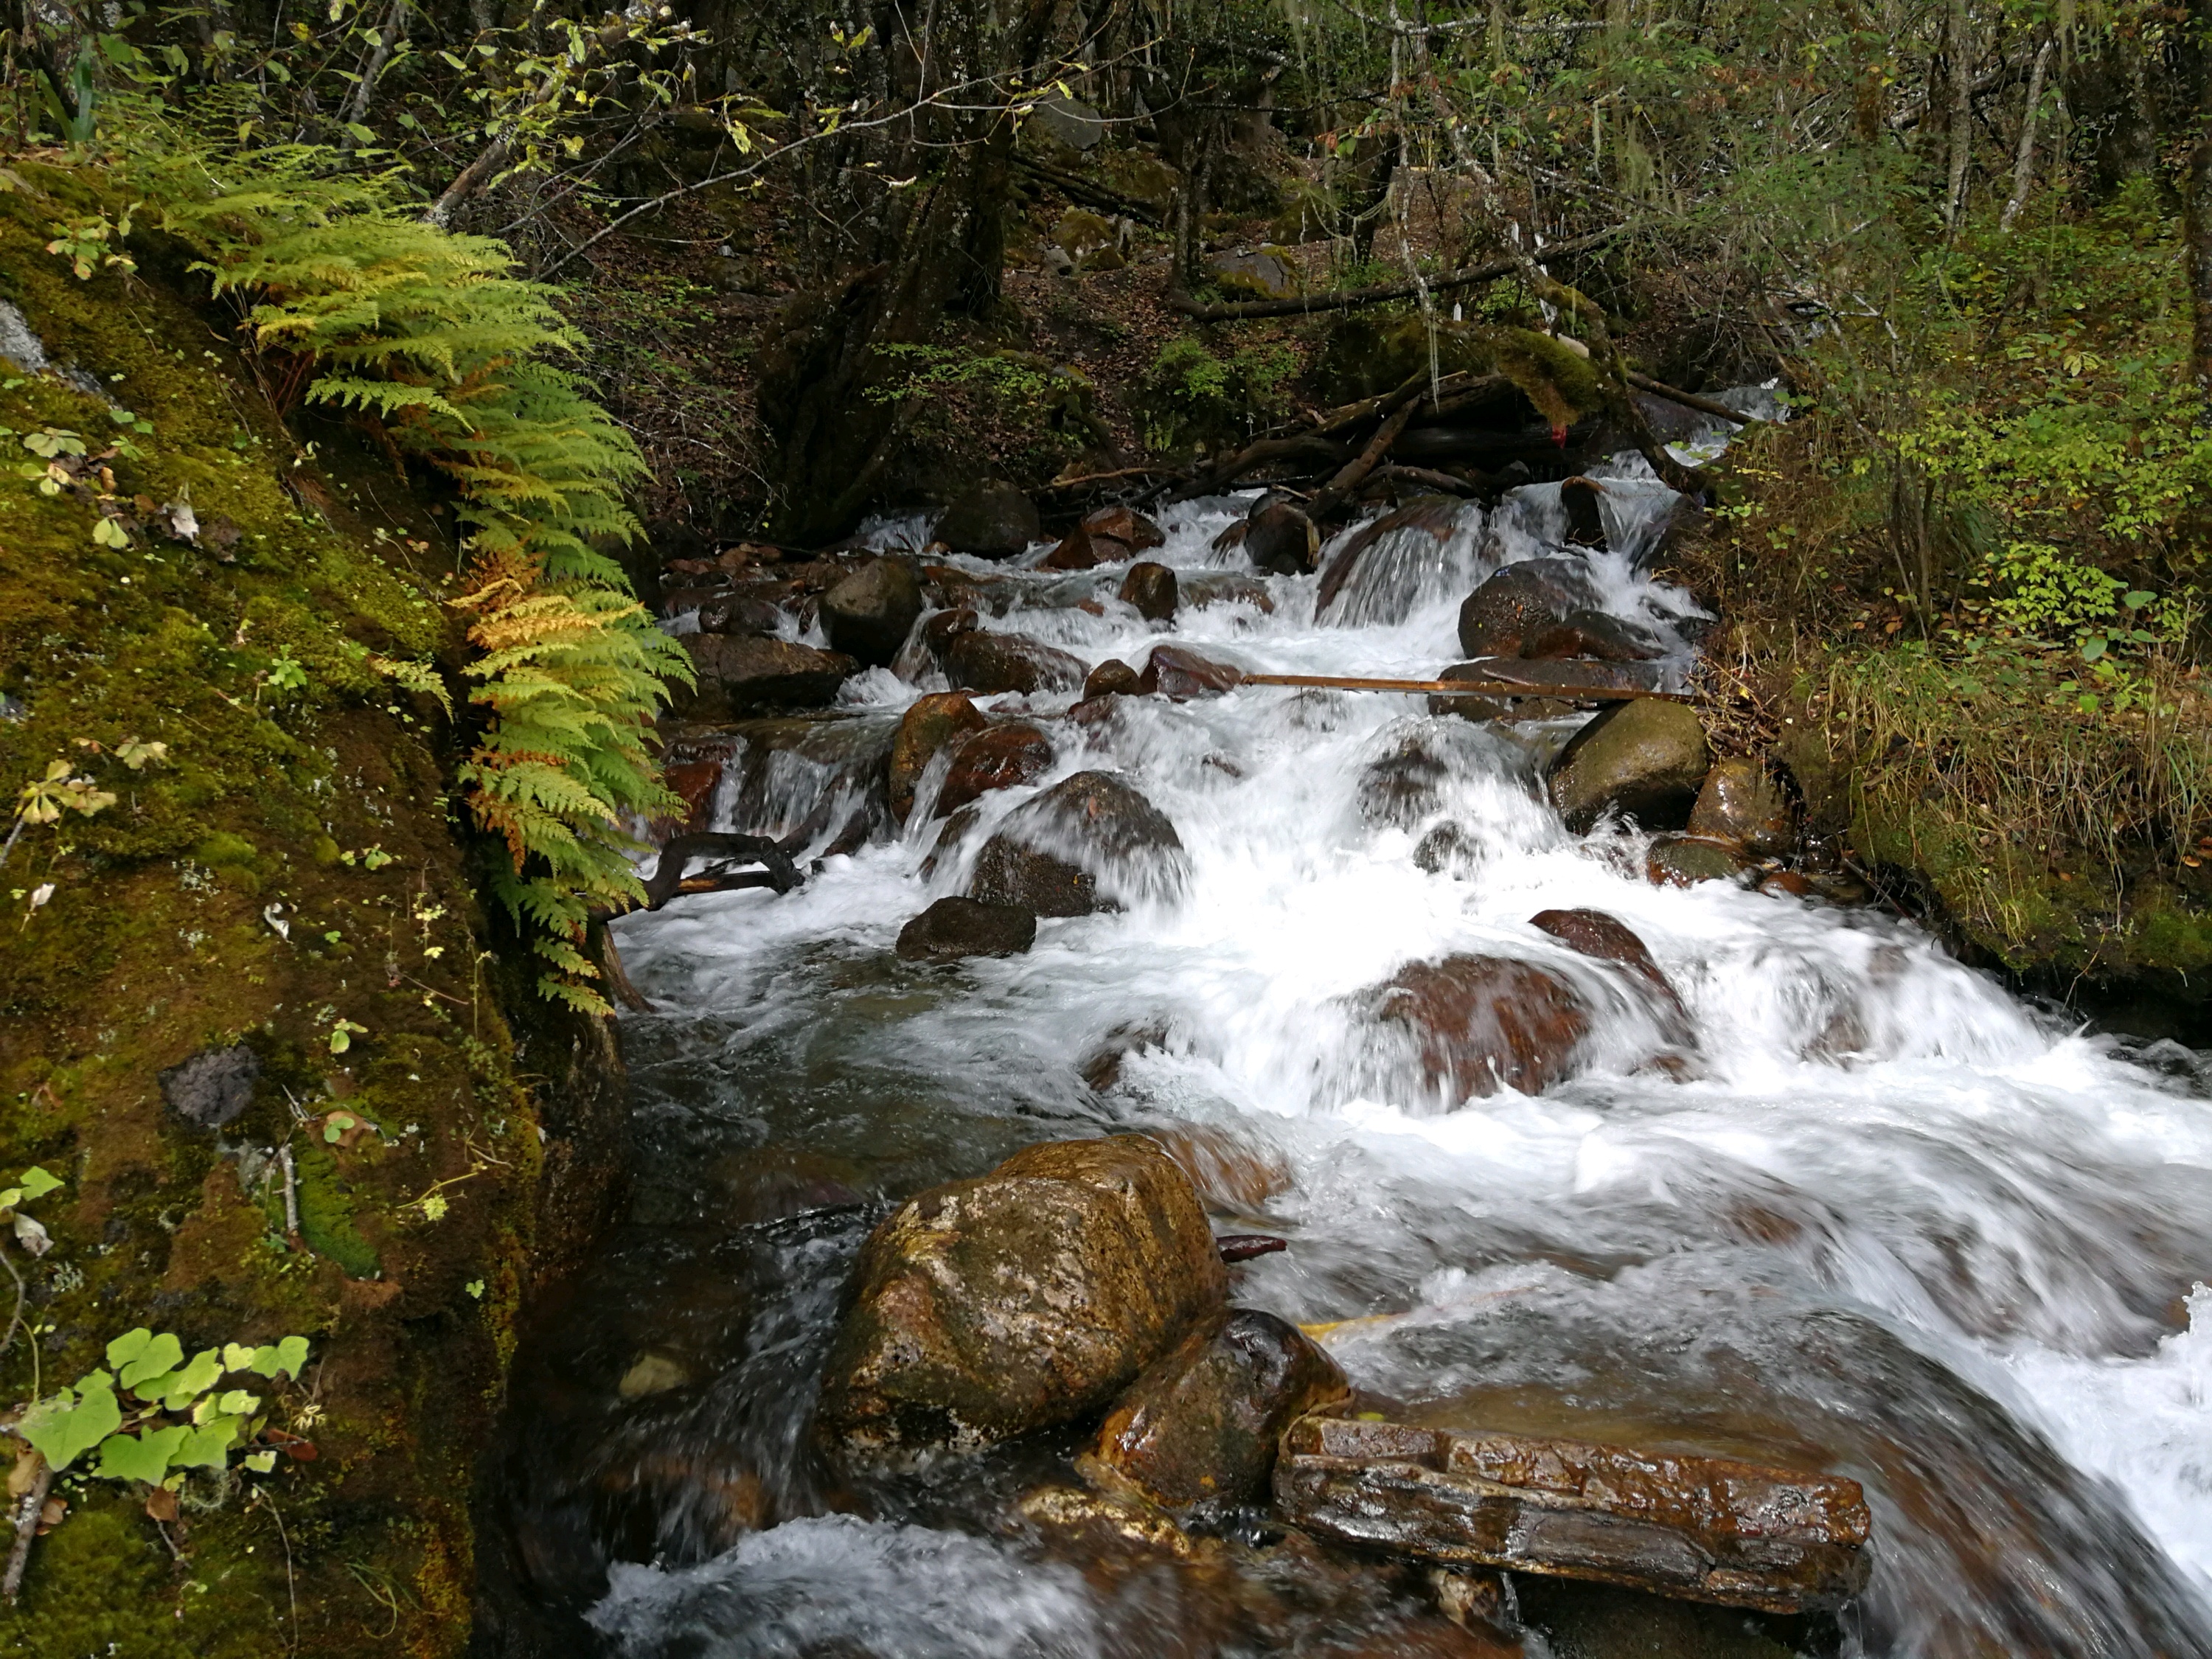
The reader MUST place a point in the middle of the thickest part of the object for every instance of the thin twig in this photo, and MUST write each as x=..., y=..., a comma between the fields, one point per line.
x=26, y=1528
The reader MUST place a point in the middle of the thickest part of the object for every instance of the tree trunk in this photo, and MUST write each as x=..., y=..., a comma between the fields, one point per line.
x=1960, y=48
x=2023, y=161
x=2197, y=207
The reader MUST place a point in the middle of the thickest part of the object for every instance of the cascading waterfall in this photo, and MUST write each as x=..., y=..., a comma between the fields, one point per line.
x=1880, y=1217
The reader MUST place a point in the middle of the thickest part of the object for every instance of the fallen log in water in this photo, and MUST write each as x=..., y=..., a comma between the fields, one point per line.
x=1470, y=688
x=1704, y=1528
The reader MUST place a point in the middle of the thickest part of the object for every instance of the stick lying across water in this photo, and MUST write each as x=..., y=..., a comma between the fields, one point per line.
x=1473, y=688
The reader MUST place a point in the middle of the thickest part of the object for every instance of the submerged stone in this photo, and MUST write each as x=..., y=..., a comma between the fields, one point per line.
x=954, y=927
x=1704, y=1528
x=1481, y=1023
x=990, y=1308
x=997, y=757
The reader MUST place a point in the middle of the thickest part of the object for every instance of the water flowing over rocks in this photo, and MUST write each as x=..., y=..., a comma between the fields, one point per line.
x=984, y=662
x=1024, y=1298
x=996, y=757
x=1476, y=1024
x=1710, y=1529
x=869, y=614
x=934, y=721
x=1521, y=601
x=1199, y=1427
x=1179, y=675
x=1090, y=842
x=1646, y=760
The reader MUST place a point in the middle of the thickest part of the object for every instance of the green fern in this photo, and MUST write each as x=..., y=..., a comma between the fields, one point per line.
x=452, y=361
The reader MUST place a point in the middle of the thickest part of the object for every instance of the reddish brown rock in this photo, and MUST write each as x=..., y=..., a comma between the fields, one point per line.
x=1180, y=675
x=1198, y=1428
x=1594, y=933
x=1481, y=1024
x=1150, y=588
x=1280, y=537
x=990, y=1308
x=1565, y=680
x=934, y=721
x=1703, y=1528
x=1742, y=803
x=1232, y=587
x=1112, y=677
x=1592, y=634
x=741, y=674
x=1082, y=550
x=1127, y=525
x=988, y=662
x=997, y=757
x=1686, y=860
x=939, y=632
x=1089, y=843
x=694, y=780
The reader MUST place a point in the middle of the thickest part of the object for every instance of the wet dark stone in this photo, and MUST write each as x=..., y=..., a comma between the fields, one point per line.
x=1198, y=1428
x=1608, y=938
x=869, y=614
x=1405, y=786
x=986, y=662
x=939, y=632
x=1448, y=849
x=1439, y=515
x=1280, y=537
x=1112, y=677
x=1083, y=549
x=212, y=1087
x=1479, y=1023
x=933, y=721
x=1225, y=587
x=1127, y=525
x=1518, y=601
x=1741, y=802
x=1686, y=860
x=1585, y=519
x=955, y=927
x=1089, y=843
x=997, y=757
x=1151, y=589
x=754, y=608
x=1567, y=681
x=991, y=521
x=1646, y=760
x=741, y=673
x=1589, y=633
x=1178, y=674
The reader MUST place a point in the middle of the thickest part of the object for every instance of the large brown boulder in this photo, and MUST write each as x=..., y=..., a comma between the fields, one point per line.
x=955, y=927
x=1109, y=536
x=1089, y=843
x=741, y=673
x=1646, y=760
x=1280, y=537
x=992, y=521
x=997, y=757
x=1411, y=534
x=1151, y=589
x=1589, y=633
x=994, y=1307
x=1518, y=602
x=1199, y=1427
x=1608, y=938
x=933, y=720
x=1179, y=675
x=1741, y=802
x=977, y=660
x=1479, y=1023
x=869, y=614
x=1704, y=1529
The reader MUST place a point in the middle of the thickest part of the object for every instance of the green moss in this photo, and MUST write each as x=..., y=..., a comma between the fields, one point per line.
x=326, y=1213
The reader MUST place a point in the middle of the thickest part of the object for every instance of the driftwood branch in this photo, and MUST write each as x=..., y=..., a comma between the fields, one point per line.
x=667, y=879
x=1472, y=687
x=1338, y=490
x=1689, y=400
x=1428, y=477
x=26, y=1528
x=1489, y=271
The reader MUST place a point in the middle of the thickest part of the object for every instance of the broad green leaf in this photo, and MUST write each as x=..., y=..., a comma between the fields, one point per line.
x=286, y=1358
x=128, y=1346
x=193, y=1380
x=37, y=1184
x=72, y=1422
x=204, y=1447
x=237, y=1355
x=239, y=1403
x=261, y=1461
x=143, y=1456
x=10, y=1197
x=156, y=1357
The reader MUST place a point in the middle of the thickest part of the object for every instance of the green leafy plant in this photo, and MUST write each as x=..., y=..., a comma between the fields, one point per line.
x=151, y=1414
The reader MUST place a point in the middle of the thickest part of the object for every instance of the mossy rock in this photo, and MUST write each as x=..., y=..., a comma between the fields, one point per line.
x=1369, y=353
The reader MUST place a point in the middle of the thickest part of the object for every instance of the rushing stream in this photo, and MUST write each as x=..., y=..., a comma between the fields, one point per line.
x=1880, y=1219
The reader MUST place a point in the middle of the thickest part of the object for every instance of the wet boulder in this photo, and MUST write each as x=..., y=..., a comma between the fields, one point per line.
x=994, y=520
x=1406, y=784
x=1608, y=938
x=1686, y=860
x=869, y=614
x=741, y=673
x=934, y=721
x=1280, y=537
x=1646, y=760
x=1089, y=843
x=1126, y=526
x=1112, y=677
x=1111, y=535
x=1595, y=633
x=997, y=757
x=954, y=927
x=1032, y=1295
x=1577, y=679
x=986, y=662
x=1702, y=1529
x=1150, y=588
x=1415, y=531
x=1741, y=802
x=1226, y=587
x=1519, y=600
x=1477, y=1024
x=1198, y=1428
x=749, y=608
x=1179, y=675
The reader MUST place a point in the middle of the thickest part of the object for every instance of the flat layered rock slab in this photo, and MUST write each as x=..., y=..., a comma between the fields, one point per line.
x=1702, y=1529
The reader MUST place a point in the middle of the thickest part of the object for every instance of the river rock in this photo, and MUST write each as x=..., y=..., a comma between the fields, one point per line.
x=1565, y=681
x=1686, y=860
x=1608, y=938
x=1502, y=614
x=1151, y=589
x=1089, y=843
x=741, y=673
x=1588, y=633
x=749, y=608
x=869, y=614
x=1741, y=802
x=1199, y=1427
x=1646, y=760
x=1481, y=1023
x=977, y=660
x=1433, y=516
x=1280, y=538
x=1405, y=785
x=994, y=520
x=1112, y=677
x=1226, y=587
x=954, y=927
x=997, y=757
x=993, y=1307
x=934, y=721
x=1126, y=526
x=1703, y=1528
x=1179, y=675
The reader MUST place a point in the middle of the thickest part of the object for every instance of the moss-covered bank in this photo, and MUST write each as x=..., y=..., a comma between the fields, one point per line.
x=289, y=875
